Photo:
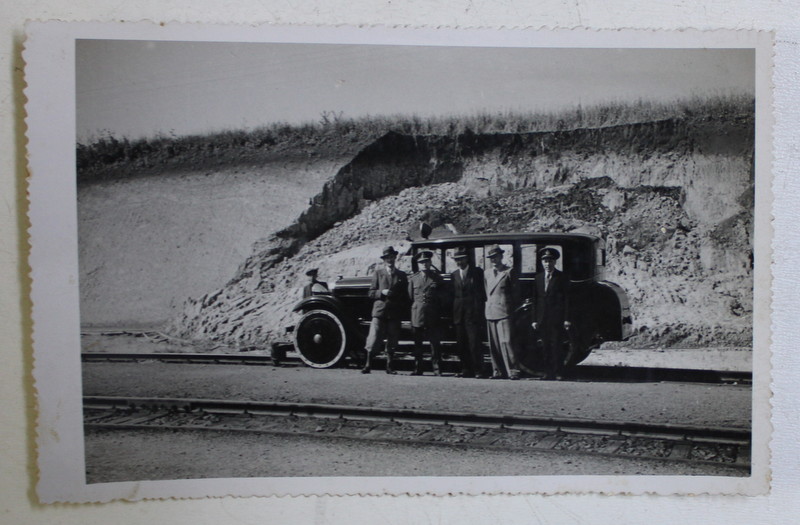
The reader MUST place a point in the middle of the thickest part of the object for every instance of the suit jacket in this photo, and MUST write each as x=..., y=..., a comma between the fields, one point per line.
x=469, y=296
x=394, y=305
x=425, y=289
x=551, y=307
x=501, y=293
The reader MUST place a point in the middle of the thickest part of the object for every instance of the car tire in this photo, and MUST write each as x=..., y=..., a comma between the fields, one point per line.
x=320, y=339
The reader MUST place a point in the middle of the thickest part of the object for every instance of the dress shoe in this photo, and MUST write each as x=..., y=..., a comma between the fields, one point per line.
x=497, y=376
x=365, y=370
x=391, y=372
x=415, y=373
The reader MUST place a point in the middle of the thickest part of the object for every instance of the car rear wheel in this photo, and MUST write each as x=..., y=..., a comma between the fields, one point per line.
x=320, y=339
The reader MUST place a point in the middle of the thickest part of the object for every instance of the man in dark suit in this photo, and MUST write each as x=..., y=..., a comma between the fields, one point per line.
x=314, y=286
x=469, y=297
x=389, y=291
x=551, y=311
x=425, y=290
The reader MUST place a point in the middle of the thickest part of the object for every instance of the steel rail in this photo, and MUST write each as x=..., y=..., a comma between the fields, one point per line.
x=733, y=436
x=178, y=357
x=577, y=373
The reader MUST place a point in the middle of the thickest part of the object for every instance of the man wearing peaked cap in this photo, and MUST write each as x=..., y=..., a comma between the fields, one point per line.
x=551, y=311
x=501, y=301
x=469, y=297
x=549, y=253
x=314, y=286
x=389, y=292
x=426, y=288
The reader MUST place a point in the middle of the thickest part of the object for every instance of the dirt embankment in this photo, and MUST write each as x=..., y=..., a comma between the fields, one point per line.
x=674, y=199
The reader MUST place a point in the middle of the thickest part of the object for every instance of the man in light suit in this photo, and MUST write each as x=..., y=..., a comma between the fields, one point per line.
x=389, y=291
x=425, y=289
x=551, y=311
x=501, y=300
x=469, y=297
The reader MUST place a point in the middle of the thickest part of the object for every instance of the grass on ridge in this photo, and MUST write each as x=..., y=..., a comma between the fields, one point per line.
x=333, y=132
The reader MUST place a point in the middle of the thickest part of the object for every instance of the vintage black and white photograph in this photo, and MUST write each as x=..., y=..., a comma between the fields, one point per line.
x=417, y=261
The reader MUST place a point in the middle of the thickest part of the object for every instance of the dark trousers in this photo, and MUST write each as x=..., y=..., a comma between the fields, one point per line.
x=553, y=346
x=470, y=348
x=436, y=345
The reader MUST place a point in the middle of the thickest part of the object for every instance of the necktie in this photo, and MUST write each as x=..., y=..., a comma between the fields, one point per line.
x=547, y=281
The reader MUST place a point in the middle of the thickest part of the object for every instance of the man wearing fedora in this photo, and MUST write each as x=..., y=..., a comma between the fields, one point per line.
x=425, y=289
x=469, y=297
x=501, y=300
x=551, y=311
x=314, y=286
x=389, y=291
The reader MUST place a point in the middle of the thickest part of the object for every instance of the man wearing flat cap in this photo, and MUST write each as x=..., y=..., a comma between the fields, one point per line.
x=314, y=286
x=425, y=288
x=389, y=291
x=551, y=311
x=501, y=301
x=469, y=297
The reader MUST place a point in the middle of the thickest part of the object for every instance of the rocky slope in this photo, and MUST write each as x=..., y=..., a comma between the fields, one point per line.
x=673, y=198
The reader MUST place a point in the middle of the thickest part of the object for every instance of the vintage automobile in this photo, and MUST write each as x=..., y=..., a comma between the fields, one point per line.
x=334, y=325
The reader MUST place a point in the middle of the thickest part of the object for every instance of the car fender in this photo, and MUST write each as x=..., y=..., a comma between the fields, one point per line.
x=623, y=303
x=333, y=305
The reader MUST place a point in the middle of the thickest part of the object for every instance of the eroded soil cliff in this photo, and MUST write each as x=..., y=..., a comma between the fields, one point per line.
x=673, y=198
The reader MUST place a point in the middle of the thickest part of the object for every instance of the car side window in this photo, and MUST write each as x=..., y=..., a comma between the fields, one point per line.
x=528, y=258
x=440, y=261
x=480, y=260
x=449, y=263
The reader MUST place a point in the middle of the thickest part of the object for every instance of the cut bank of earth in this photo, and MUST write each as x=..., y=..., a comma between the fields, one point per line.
x=673, y=198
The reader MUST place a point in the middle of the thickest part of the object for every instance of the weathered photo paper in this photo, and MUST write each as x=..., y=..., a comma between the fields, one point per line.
x=310, y=260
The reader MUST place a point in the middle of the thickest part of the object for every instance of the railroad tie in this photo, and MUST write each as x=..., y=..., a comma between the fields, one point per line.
x=548, y=442
x=743, y=454
x=680, y=451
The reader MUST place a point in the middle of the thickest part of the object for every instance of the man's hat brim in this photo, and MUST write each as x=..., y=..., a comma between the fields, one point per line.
x=549, y=253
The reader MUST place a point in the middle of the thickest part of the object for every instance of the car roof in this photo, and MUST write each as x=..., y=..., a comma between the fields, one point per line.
x=502, y=238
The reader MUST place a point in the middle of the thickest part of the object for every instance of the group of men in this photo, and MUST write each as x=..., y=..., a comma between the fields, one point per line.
x=479, y=297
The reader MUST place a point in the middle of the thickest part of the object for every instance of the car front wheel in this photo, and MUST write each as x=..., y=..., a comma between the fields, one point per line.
x=320, y=339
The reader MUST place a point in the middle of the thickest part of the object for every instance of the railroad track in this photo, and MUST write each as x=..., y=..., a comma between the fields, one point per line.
x=578, y=373
x=666, y=442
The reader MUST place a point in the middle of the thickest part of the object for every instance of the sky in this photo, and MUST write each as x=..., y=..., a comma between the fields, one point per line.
x=138, y=89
